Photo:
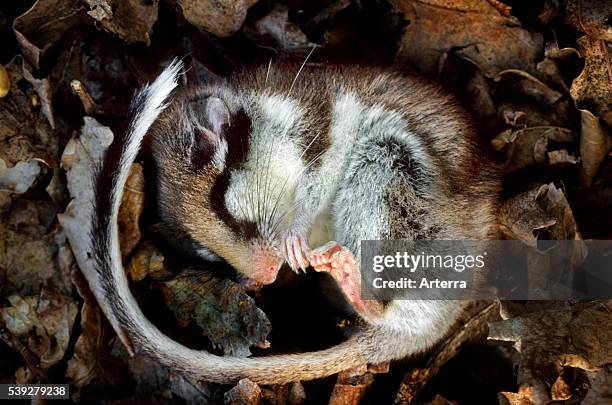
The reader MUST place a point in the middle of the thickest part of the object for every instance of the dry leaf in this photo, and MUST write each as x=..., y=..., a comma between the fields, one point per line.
x=551, y=340
x=145, y=261
x=28, y=248
x=592, y=89
x=43, y=323
x=543, y=207
x=19, y=178
x=43, y=89
x=220, y=307
x=219, y=17
x=130, y=20
x=595, y=142
x=132, y=205
x=529, y=86
x=39, y=28
x=282, y=394
x=23, y=133
x=514, y=398
x=284, y=35
x=531, y=146
x=246, y=392
x=297, y=393
x=78, y=160
x=555, y=60
x=57, y=314
x=560, y=391
x=436, y=27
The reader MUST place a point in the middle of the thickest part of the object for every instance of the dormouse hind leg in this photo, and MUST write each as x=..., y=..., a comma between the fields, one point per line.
x=340, y=263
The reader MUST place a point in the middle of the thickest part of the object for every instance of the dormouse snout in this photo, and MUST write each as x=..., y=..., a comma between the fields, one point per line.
x=266, y=263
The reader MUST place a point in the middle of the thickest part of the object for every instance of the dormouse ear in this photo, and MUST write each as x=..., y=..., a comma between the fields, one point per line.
x=213, y=121
x=217, y=115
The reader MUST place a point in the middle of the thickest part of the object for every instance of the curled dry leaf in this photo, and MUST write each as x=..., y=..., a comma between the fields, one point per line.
x=533, y=146
x=555, y=58
x=130, y=20
x=132, y=205
x=222, y=18
x=592, y=89
x=19, y=178
x=44, y=322
x=286, y=36
x=436, y=27
x=543, y=207
x=220, y=307
x=57, y=314
x=39, y=28
x=595, y=142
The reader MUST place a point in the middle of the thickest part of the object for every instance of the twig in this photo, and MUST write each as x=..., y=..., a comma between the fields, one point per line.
x=88, y=104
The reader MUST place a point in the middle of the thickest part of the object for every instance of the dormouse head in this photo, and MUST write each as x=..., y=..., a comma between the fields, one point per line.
x=209, y=188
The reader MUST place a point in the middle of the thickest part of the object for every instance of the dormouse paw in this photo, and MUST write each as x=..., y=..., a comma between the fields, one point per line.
x=296, y=250
x=340, y=263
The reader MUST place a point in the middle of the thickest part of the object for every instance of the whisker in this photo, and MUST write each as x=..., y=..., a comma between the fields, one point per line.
x=300, y=69
x=268, y=72
x=283, y=192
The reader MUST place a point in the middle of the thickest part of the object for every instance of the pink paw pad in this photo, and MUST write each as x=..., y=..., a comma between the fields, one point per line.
x=342, y=266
